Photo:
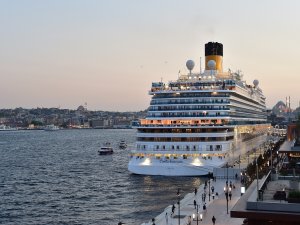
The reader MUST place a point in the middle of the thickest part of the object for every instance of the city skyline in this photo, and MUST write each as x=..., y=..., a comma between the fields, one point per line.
x=107, y=53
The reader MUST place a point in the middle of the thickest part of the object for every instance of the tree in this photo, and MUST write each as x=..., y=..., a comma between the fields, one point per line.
x=36, y=123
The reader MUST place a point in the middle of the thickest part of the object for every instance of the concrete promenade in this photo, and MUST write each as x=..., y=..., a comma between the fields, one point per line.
x=217, y=206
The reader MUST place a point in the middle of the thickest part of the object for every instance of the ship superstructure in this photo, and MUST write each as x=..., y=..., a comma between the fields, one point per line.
x=200, y=121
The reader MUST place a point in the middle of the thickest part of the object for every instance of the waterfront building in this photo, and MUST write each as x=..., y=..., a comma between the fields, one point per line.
x=269, y=203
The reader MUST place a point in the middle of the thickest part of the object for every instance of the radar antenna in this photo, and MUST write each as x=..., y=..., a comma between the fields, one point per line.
x=190, y=65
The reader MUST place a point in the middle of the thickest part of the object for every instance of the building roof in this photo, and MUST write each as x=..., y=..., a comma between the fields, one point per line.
x=266, y=210
x=289, y=147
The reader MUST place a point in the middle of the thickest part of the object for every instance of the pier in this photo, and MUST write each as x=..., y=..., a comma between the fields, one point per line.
x=216, y=205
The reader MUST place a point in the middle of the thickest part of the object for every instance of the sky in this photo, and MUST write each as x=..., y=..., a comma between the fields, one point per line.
x=106, y=53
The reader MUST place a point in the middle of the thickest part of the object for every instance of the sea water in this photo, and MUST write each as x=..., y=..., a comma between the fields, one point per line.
x=59, y=178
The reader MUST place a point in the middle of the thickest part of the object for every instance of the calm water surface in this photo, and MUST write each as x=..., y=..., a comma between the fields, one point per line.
x=59, y=178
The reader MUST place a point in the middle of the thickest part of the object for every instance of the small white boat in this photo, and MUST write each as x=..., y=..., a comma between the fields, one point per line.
x=106, y=149
x=7, y=128
x=51, y=127
x=122, y=144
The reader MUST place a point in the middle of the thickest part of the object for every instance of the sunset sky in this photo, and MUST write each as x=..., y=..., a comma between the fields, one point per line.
x=107, y=53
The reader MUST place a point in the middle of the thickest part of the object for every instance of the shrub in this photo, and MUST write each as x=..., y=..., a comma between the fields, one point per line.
x=294, y=194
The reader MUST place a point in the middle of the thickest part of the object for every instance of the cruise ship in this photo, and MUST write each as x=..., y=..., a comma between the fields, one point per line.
x=199, y=121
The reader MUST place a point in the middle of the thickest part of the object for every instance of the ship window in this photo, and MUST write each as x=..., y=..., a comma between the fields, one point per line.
x=157, y=147
x=177, y=146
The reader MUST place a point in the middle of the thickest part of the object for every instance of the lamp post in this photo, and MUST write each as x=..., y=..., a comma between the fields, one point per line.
x=257, y=179
x=197, y=215
x=271, y=149
x=277, y=165
x=178, y=198
x=227, y=190
x=248, y=157
x=242, y=190
x=209, y=190
x=227, y=174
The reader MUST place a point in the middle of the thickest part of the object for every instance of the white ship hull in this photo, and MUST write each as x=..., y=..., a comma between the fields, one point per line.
x=174, y=168
x=196, y=166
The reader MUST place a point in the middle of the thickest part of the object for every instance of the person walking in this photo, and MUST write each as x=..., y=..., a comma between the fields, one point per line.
x=195, y=203
x=189, y=220
x=230, y=195
x=153, y=221
x=213, y=219
x=173, y=209
x=195, y=191
x=167, y=218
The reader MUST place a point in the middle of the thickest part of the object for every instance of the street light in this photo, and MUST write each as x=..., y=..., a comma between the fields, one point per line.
x=197, y=215
x=277, y=156
x=257, y=179
x=248, y=157
x=209, y=190
x=178, y=197
x=271, y=162
x=227, y=190
x=227, y=173
x=242, y=190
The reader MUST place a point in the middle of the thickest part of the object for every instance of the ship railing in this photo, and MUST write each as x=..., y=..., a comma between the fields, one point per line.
x=183, y=151
x=219, y=131
x=224, y=102
x=195, y=109
x=191, y=116
x=188, y=116
x=191, y=88
x=185, y=125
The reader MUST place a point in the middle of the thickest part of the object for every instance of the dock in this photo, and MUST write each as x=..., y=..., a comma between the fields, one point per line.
x=216, y=205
